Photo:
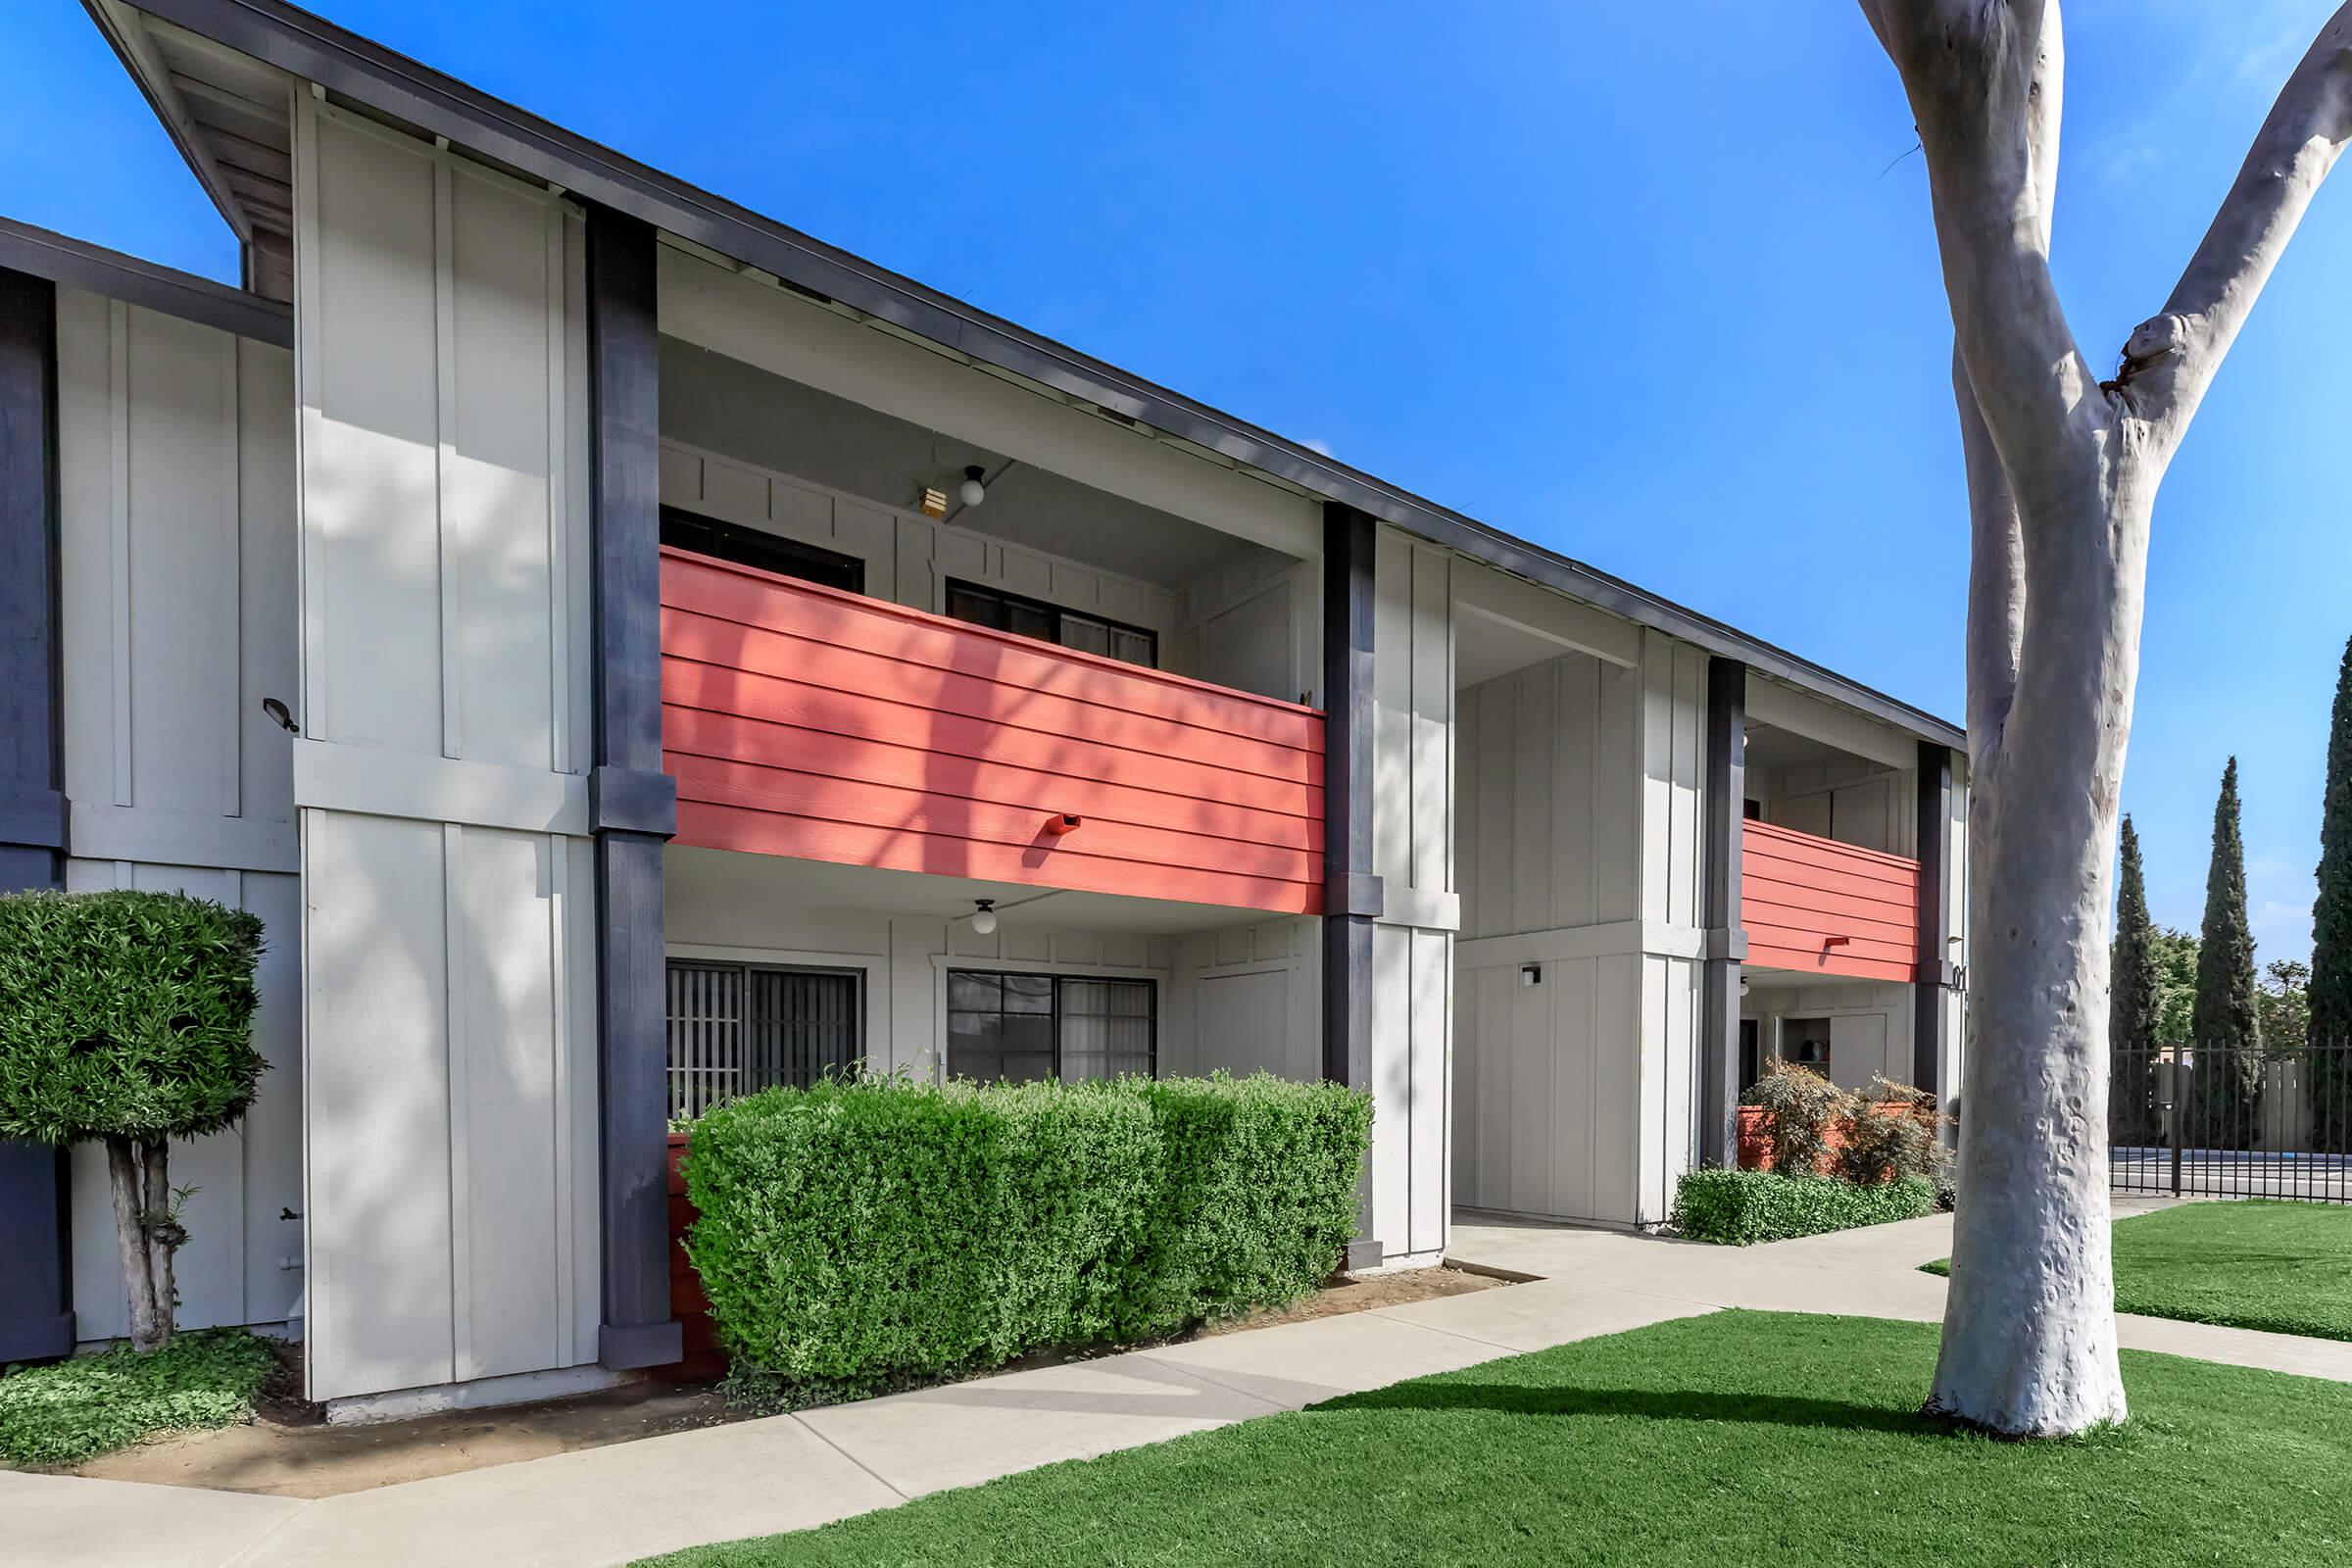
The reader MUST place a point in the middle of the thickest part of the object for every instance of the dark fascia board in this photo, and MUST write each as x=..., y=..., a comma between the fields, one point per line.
x=389, y=83
x=82, y=264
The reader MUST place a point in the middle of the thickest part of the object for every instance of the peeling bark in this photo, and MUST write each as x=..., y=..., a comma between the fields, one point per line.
x=2062, y=471
x=128, y=1190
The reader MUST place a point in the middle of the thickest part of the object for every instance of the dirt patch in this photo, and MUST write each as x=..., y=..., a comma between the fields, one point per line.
x=1349, y=1294
x=289, y=1450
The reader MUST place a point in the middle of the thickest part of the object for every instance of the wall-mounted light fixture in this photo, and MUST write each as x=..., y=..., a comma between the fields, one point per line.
x=972, y=492
x=984, y=915
x=279, y=716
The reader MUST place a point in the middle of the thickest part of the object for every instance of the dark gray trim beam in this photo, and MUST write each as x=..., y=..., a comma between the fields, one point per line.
x=625, y=567
x=1353, y=896
x=36, y=1294
x=1931, y=1043
x=392, y=84
x=1727, y=944
x=73, y=262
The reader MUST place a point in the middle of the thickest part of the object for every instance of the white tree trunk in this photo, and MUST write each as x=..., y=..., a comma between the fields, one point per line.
x=2063, y=472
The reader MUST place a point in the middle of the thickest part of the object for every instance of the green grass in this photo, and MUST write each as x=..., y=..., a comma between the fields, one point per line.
x=1735, y=1438
x=72, y=1410
x=2245, y=1264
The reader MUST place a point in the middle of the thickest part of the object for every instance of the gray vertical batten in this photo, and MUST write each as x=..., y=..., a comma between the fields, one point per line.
x=1352, y=896
x=37, y=1305
x=1930, y=1027
x=1727, y=941
x=633, y=805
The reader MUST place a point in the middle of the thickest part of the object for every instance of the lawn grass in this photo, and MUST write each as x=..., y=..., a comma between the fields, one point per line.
x=91, y=1404
x=1732, y=1437
x=2247, y=1263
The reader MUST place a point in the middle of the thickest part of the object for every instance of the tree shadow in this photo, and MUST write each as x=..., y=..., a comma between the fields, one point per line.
x=1648, y=1404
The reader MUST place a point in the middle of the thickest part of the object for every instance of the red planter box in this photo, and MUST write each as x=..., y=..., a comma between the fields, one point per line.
x=703, y=1359
x=1755, y=1137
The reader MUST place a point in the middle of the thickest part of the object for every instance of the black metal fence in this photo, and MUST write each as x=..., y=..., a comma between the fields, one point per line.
x=2218, y=1121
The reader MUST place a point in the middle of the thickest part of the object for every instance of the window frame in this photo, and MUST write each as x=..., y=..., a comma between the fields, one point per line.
x=1060, y=614
x=861, y=1051
x=1054, y=981
x=678, y=521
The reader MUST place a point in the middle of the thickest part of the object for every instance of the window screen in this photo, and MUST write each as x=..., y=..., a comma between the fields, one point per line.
x=1021, y=1028
x=736, y=1028
x=1029, y=618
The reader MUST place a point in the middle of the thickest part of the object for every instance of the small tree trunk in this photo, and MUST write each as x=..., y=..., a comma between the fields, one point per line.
x=122, y=1167
x=163, y=1237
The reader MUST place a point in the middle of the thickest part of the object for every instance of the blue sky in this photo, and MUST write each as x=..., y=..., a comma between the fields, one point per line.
x=1653, y=286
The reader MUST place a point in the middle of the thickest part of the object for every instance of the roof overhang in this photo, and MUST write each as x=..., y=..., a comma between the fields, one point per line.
x=115, y=276
x=392, y=86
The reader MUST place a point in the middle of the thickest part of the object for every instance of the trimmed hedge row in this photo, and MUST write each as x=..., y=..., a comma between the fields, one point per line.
x=865, y=1234
x=1738, y=1208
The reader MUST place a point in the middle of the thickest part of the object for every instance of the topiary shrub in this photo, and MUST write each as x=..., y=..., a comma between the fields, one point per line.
x=1894, y=1131
x=126, y=1018
x=1803, y=1114
x=865, y=1234
x=1741, y=1208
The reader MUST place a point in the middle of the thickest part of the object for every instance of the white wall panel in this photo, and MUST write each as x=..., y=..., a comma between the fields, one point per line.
x=177, y=557
x=451, y=1029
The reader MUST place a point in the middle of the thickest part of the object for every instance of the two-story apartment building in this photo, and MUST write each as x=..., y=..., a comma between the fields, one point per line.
x=631, y=653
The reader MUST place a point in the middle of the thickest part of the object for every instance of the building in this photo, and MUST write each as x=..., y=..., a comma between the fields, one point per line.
x=629, y=650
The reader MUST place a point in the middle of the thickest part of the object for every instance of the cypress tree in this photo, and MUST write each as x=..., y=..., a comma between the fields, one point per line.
x=2134, y=1008
x=2224, y=1027
x=2330, y=993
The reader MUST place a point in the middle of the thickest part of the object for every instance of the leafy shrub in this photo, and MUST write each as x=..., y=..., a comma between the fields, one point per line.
x=127, y=1018
x=124, y=1015
x=1894, y=1131
x=69, y=1411
x=865, y=1234
x=1739, y=1207
x=1803, y=1112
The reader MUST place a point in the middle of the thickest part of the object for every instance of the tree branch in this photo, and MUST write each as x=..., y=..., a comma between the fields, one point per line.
x=1985, y=79
x=1996, y=582
x=2171, y=358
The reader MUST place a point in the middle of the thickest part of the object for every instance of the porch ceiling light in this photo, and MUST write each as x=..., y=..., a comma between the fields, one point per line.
x=972, y=492
x=984, y=915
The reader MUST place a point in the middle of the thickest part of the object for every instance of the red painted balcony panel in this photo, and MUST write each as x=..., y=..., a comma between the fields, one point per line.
x=804, y=721
x=1818, y=906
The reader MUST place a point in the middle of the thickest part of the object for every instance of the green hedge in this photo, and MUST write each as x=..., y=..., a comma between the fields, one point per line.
x=125, y=1013
x=865, y=1234
x=1737, y=1208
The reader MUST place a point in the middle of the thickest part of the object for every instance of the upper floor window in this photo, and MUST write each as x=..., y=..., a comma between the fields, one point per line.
x=769, y=552
x=1000, y=611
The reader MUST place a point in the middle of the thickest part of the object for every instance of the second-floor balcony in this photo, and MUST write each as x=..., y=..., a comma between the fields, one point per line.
x=1814, y=905
x=809, y=721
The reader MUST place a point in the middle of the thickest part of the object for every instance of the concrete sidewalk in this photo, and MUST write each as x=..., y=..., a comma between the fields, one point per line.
x=615, y=1503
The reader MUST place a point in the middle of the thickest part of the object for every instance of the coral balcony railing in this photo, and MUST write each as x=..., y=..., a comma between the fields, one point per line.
x=806, y=721
x=1818, y=907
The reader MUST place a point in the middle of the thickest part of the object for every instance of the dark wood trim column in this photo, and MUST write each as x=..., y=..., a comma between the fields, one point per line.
x=1352, y=896
x=633, y=805
x=1930, y=1030
x=1725, y=805
x=36, y=1300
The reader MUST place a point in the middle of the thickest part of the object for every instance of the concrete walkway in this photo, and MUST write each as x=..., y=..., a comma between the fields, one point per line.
x=615, y=1503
